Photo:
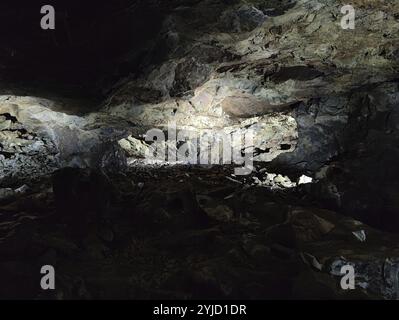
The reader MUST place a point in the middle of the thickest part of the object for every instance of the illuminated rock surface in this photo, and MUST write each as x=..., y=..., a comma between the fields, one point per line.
x=322, y=102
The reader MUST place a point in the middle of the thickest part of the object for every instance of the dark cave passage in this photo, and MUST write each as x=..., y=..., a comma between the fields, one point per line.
x=92, y=47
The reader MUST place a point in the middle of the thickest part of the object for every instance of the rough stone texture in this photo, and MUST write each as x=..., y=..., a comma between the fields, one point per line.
x=311, y=90
x=301, y=57
x=37, y=138
x=173, y=235
x=339, y=85
x=322, y=101
x=296, y=59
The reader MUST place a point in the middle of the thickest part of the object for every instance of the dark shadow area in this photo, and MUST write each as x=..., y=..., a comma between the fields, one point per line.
x=94, y=44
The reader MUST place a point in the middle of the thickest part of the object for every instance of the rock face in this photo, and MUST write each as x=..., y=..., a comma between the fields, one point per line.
x=37, y=139
x=308, y=89
x=24, y=151
x=224, y=64
x=300, y=57
x=316, y=87
x=243, y=106
x=322, y=103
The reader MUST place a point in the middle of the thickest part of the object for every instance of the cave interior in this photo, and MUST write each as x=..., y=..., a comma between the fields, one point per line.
x=318, y=187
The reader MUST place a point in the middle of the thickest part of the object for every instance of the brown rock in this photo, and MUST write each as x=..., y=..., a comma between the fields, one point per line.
x=247, y=106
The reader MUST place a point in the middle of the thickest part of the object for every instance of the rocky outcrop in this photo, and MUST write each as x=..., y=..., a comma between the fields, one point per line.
x=308, y=89
x=300, y=60
x=295, y=66
x=322, y=103
x=38, y=138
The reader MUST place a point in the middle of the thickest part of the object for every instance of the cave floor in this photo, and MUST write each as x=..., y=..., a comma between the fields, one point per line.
x=188, y=233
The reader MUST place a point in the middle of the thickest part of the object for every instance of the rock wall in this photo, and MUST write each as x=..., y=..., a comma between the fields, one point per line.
x=321, y=100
